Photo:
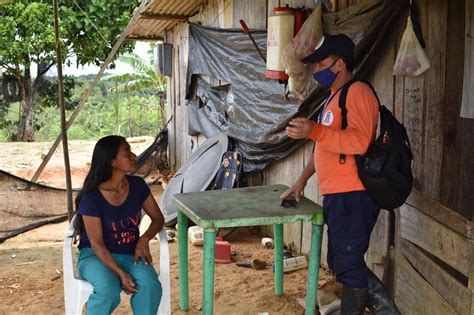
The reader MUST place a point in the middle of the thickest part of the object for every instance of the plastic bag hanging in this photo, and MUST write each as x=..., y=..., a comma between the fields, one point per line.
x=411, y=58
x=300, y=81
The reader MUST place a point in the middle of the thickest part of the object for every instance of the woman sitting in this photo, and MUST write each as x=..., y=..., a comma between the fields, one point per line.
x=113, y=256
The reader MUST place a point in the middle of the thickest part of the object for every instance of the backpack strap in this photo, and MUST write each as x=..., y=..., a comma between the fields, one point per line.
x=342, y=106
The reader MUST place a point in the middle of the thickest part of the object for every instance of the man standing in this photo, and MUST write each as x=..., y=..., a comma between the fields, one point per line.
x=349, y=211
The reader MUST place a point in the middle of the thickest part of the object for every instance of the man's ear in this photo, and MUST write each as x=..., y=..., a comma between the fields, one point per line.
x=340, y=65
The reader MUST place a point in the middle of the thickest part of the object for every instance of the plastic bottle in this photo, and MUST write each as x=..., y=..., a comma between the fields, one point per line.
x=294, y=263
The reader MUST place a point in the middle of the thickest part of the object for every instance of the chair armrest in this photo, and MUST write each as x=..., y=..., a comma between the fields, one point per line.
x=165, y=305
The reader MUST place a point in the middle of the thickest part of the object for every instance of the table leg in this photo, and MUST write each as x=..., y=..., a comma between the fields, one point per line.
x=314, y=260
x=278, y=253
x=208, y=274
x=183, y=261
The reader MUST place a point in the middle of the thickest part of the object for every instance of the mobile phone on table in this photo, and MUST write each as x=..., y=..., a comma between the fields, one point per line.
x=289, y=202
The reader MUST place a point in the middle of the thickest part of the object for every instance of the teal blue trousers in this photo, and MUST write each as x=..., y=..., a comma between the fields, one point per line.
x=107, y=288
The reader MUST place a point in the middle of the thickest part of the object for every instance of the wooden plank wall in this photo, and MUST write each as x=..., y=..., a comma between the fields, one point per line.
x=252, y=12
x=428, y=105
x=181, y=145
x=179, y=142
x=434, y=263
x=458, y=152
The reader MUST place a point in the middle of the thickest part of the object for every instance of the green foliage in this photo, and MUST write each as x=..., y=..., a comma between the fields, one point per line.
x=88, y=30
x=27, y=33
x=48, y=93
x=93, y=27
x=8, y=121
x=143, y=75
x=138, y=116
x=128, y=114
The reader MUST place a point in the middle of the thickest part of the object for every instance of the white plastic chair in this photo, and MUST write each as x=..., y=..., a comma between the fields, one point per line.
x=77, y=291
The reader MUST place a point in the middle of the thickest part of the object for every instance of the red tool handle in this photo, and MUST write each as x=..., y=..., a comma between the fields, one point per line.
x=246, y=30
x=244, y=26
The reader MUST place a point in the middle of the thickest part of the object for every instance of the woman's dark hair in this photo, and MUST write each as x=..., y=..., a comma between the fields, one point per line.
x=105, y=151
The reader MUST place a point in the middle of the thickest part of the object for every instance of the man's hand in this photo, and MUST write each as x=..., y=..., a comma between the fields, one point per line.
x=128, y=285
x=142, y=250
x=297, y=188
x=299, y=128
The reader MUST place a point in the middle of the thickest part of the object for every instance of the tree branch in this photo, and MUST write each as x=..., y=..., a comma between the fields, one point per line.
x=44, y=69
x=4, y=65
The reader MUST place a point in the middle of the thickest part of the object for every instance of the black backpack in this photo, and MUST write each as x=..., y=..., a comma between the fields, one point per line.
x=386, y=168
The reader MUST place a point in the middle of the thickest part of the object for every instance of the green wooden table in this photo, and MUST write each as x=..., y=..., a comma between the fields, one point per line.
x=240, y=207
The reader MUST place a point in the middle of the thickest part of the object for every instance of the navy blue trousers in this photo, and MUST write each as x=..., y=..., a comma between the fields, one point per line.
x=350, y=218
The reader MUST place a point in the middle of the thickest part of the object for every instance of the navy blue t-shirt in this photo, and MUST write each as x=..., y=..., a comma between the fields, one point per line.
x=119, y=223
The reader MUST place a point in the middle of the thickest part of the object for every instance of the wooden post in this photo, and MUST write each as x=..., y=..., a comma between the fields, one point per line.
x=59, y=65
x=89, y=89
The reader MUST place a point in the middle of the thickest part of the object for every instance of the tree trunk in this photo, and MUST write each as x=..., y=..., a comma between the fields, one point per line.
x=26, y=131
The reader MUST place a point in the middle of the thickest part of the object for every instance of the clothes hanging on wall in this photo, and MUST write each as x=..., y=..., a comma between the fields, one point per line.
x=467, y=106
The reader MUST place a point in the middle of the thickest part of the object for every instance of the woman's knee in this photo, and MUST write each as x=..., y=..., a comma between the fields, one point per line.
x=146, y=277
x=151, y=286
x=108, y=291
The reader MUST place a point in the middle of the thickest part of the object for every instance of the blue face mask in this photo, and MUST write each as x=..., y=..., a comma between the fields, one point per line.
x=325, y=77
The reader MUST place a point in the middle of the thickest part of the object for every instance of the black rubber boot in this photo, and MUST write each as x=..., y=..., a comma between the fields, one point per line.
x=353, y=301
x=380, y=302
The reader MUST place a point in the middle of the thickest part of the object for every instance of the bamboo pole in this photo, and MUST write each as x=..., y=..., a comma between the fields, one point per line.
x=89, y=89
x=62, y=108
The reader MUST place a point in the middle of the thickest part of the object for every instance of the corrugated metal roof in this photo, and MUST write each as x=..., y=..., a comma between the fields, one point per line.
x=162, y=15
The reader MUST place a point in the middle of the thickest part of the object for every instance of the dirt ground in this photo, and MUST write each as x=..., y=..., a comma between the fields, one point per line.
x=23, y=159
x=31, y=267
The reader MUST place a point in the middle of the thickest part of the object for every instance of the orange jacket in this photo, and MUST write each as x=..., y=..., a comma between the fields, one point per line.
x=331, y=141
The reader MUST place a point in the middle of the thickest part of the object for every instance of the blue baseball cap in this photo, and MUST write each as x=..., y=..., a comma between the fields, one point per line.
x=338, y=45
